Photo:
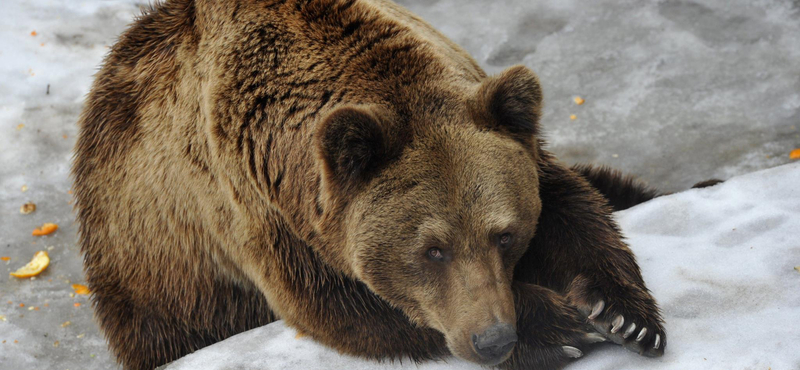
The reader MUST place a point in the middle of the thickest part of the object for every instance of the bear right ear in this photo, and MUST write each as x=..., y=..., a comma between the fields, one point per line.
x=510, y=102
x=351, y=142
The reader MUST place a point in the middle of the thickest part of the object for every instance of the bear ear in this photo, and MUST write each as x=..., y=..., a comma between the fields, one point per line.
x=351, y=142
x=511, y=102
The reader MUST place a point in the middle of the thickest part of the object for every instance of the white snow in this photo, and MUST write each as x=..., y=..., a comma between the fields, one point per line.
x=720, y=261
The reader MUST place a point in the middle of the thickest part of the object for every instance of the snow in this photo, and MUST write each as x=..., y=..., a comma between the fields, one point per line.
x=720, y=261
x=676, y=92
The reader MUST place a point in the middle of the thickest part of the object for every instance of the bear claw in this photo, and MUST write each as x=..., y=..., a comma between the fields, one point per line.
x=632, y=328
x=598, y=308
x=595, y=338
x=571, y=352
x=641, y=335
x=617, y=324
x=629, y=331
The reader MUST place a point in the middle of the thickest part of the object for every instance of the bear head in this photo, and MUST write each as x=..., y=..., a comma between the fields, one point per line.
x=434, y=215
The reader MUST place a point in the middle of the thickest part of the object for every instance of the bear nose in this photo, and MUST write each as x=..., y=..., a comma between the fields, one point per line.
x=495, y=343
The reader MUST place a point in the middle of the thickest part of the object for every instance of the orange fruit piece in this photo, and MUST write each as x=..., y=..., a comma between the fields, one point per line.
x=81, y=289
x=46, y=229
x=794, y=154
x=35, y=267
x=579, y=100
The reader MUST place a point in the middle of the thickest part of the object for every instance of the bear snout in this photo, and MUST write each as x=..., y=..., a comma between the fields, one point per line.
x=494, y=344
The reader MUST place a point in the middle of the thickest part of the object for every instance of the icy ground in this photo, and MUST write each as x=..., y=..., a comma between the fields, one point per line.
x=719, y=260
x=676, y=92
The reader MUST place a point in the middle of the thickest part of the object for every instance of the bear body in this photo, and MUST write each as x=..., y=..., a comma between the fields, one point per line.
x=342, y=166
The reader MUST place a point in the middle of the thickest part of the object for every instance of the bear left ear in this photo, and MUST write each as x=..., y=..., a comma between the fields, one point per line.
x=351, y=142
x=511, y=102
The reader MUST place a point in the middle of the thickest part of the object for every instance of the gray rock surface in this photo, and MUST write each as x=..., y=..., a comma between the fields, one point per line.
x=676, y=92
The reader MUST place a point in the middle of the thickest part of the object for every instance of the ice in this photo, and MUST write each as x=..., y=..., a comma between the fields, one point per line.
x=719, y=260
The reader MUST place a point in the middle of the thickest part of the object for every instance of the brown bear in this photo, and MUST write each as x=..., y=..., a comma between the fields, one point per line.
x=342, y=166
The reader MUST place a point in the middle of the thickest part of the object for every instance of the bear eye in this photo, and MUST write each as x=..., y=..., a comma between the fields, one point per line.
x=505, y=240
x=435, y=254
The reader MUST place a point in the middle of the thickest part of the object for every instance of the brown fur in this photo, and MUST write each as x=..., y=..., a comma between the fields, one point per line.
x=622, y=191
x=244, y=161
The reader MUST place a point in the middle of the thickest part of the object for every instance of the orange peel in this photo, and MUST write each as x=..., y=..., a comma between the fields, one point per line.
x=46, y=229
x=35, y=267
x=81, y=289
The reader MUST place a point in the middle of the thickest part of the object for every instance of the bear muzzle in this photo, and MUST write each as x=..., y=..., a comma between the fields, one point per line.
x=494, y=344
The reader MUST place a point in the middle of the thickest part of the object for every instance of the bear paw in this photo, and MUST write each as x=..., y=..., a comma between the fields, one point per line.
x=552, y=332
x=634, y=333
x=553, y=347
x=627, y=316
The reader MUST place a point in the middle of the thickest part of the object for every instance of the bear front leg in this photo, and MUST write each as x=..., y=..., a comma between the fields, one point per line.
x=551, y=332
x=346, y=315
x=578, y=250
x=324, y=304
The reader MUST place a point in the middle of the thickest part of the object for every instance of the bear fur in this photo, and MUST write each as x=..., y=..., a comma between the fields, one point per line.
x=342, y=166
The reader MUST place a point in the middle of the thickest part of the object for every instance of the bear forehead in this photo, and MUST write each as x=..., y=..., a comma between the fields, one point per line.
x=446, y=195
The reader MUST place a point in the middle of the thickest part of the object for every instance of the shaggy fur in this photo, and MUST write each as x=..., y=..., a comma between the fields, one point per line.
x=622, y=191
x=244, y=161
x=707, y=183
